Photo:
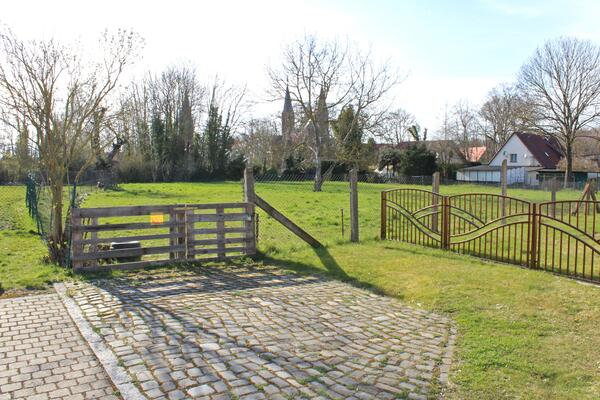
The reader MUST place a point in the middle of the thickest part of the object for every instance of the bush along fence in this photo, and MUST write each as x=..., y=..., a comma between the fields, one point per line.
x=562, y=237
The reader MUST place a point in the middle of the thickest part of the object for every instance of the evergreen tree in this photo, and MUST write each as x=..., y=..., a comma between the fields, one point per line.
x=159, y=144
x=185, y=125
x=213, y=139
x=348, y=133
x=417, y=160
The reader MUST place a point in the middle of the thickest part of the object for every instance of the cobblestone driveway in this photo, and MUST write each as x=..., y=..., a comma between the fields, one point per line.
x=260, y=333
x=42, y=355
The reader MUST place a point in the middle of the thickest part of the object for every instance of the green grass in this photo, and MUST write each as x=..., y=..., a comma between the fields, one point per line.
x=22, y=264
x=521, y=333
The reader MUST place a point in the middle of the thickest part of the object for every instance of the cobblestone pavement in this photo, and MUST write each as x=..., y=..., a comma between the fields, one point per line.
x=242, y=333
x=42, y=355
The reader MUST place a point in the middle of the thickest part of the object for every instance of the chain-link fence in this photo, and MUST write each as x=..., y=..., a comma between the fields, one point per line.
x=324, y=213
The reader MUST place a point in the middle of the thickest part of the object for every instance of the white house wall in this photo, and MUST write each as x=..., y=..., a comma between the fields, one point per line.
x=513, y=175
x=515, y=146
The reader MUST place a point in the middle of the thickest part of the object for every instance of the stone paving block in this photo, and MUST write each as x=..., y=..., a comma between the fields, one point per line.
x=253, y=333
x=50, y=358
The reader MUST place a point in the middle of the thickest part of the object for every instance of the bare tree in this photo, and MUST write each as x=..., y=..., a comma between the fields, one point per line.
x=326, y=77
x=464, y=126
x=561, y=83
x=502, y=114
x=261, y=143
x=394, y=126
x=61, y=96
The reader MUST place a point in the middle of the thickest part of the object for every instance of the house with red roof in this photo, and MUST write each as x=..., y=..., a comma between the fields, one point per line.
x=528, y=155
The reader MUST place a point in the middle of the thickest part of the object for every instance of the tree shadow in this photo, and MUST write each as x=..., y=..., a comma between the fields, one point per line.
x=332, y=269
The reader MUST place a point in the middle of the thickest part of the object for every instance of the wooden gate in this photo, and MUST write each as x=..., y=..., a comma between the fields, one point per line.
x=141, y=236
x=561, y=237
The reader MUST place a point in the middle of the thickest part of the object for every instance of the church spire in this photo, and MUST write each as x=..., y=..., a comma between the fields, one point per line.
x=287, y=104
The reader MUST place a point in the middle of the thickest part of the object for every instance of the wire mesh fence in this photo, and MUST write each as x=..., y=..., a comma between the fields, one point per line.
x=324, y=213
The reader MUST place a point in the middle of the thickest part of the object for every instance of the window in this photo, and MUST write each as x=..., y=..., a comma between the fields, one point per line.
x=513, y=158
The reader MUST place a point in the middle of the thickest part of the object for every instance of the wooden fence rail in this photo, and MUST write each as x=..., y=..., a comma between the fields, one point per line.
x=139, y=236
x=561, y=236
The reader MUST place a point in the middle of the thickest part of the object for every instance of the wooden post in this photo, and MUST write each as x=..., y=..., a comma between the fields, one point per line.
x=435, y=188
x=172, y=232
x=354, y=205
x=220, y=232
x=76, y=237
x=180, y=231
x=250, y=234
x=383, y=233
x=190, y=237
x=503, y=185
x=342, y=220
x=248, y=185
x=94, y=247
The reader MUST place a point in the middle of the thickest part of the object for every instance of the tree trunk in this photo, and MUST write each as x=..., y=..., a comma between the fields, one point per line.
x=318, y=174
x=56, y=239
x=569, y=168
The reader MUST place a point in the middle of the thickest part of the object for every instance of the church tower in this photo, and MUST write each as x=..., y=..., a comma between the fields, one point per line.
x=287, y=117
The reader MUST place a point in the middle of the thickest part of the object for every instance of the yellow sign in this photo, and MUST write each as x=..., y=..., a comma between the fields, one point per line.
x=157, y=218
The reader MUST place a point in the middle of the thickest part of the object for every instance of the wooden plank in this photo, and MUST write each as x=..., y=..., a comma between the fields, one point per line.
x=127, y=252
x=208, y=231
x=220, y=217
x=210, y=206
x=354, y=205
x=282, y=219
x=126, y=226
x=131, y=211
x=219, y=251
x=125, y=239
x=206, y=242
x=128, y=211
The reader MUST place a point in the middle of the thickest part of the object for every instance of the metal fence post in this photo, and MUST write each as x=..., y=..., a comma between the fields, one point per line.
x=503, y=184
x=435, y=188
x=354, y=205
x=383, y=215
x=445, y=232
x=533, y=245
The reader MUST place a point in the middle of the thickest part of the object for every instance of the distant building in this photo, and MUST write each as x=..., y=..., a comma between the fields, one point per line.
x=527, y=155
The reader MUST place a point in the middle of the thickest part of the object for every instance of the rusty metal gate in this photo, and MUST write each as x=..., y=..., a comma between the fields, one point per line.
x=561, y=237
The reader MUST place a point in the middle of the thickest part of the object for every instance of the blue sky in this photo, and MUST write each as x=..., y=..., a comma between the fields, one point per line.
x=448, y=50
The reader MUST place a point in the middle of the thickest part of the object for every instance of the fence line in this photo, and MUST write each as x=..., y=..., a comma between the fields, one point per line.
x=562, y=237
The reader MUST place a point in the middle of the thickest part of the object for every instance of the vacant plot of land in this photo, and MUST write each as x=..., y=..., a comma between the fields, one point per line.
x=521, y=333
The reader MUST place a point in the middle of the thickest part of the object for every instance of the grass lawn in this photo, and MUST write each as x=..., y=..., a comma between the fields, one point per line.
x=21, y=249
x=522, y=333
